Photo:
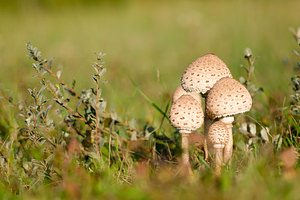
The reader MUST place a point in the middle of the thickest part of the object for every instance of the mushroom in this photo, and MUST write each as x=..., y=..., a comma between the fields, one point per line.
x=200, y=77
x=227, y=98
x=203, y=73
x=180, y=91
x=218, y=137
x=186, y=115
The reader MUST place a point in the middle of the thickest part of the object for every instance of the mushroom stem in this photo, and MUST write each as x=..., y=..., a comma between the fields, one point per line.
x=229, y=146
x=218, y=137
x=208, y=150
x=207, y=123
x=185, y=152
x=185, y=148
x=218, y=160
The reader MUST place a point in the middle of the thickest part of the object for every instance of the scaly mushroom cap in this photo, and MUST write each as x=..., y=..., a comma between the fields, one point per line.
x=180, y=91
x=227, y=97
x=218, y=134
x=202, y=74
x=186, y=114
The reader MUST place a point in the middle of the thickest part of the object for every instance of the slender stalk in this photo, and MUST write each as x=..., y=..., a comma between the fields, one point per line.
x=229, y=146
x=207, y=123
x=58, y=99
x=96, y=110
x=218, y=160
x=32, y=134
x=121, y=123
x=55, y=76
x=250, y=60
x=208, y=150
x=109, y=151
x=185, y=149
x=185, y=153
x=66, y=107
x=35, y=124
x=42, y=64
x=13, y=104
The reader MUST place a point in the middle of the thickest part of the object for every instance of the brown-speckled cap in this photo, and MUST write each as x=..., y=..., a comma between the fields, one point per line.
x=186, y=114
x=227, y=97
x=203, y=73
x=180, y=91
x=218, y=134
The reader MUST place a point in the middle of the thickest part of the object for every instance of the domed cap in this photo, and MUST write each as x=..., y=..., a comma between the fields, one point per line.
x=180, y=91
x=218, y=134
x=202, y=74
x=186, y=114
x=227, y=97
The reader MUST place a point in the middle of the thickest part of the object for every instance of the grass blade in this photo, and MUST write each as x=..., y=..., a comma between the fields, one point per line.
x=148, y=99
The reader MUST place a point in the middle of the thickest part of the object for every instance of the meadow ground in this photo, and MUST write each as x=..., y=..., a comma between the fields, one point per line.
x=148, y=45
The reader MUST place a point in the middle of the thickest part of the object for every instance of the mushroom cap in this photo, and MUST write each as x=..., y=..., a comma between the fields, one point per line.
x=228, y=97
x=218, y=134
x=186, y=114
x=180, y=91
x=203, y=73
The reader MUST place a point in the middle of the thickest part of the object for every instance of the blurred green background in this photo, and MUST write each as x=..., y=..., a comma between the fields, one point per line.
x=150, y=42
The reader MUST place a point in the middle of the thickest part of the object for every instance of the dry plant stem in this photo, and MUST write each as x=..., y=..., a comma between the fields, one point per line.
x=228, y=147
x=74, y=93
x=66, y=107
x=58, y=79
x=12, y=103
x=69, y=109
x=71, y=90
x=58, y=99
x=97, y=114
x=185, y=151
x=218, y=160
x=250, y=65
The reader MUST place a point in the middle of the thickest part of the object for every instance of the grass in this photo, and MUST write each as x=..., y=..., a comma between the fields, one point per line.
x=148, y=45
x=164, y=42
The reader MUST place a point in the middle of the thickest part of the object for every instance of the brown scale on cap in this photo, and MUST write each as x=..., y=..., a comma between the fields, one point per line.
x=180, y=91
x=218, y=134
x=186, y=114
x=228, y=97
x=202, y=74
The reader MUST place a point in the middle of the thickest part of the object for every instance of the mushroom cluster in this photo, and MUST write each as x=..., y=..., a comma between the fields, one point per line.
x=224, y=97
x=186, y=115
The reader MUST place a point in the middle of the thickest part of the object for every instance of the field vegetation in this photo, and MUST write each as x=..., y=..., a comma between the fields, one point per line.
x=75, y=124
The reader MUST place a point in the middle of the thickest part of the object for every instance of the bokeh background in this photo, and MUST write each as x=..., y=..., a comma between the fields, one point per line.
x=150, y=42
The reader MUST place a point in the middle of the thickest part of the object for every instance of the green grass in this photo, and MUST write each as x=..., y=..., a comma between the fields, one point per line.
x=148, y=45
x=142, y=39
